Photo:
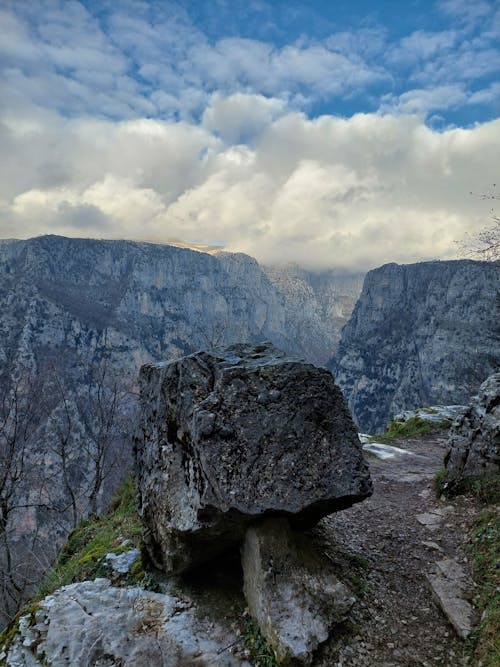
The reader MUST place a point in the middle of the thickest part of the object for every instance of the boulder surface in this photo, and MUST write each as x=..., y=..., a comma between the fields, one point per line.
x=291, y=591
x=474, y=441
x=94, y=623
x=229, y=437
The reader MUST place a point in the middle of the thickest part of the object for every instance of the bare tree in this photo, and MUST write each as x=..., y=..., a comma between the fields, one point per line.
x=104, y=408
x=484, y=244
x=21, y=487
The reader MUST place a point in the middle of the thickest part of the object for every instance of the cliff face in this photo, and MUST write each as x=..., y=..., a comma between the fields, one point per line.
x=318, y=303
x=420, y=334
x=140, y=301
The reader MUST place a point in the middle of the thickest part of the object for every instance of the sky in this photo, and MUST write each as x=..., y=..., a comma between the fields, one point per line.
x=329, y=134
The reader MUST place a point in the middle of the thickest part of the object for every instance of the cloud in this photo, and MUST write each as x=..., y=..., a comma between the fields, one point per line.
x=327, y=192
x=422, y=101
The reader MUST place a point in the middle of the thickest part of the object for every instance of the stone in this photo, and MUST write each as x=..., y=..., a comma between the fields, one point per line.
x=449, y=584
x=121, y=563
x=94, y=623
x=431, y=520
x=474, y=440
x=291, y=591
x=216, y=449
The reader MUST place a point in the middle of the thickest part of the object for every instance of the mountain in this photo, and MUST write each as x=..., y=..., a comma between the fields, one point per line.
x=319, y=303
x=420, y=334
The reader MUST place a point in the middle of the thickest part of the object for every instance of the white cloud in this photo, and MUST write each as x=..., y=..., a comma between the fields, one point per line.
x=422, y=101
x=351, y=192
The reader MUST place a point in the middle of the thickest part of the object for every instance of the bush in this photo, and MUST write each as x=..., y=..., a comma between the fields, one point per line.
x=485, y=552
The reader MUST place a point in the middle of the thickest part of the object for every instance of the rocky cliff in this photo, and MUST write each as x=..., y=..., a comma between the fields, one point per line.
x=319, y=302
x=420, y=334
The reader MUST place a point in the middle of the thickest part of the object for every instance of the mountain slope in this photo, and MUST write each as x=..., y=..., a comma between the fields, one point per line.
x=420, y=334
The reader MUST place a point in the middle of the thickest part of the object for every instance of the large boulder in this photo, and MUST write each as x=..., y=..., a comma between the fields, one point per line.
x=229, y=437
x=474, y=441
x=291, y=591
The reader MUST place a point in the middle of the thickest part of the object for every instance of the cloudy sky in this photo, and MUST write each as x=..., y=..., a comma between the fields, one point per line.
x=347, y=133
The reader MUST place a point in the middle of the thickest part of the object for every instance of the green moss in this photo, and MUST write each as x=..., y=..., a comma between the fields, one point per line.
x=260, y=654
x=485, y=552
x=83, y=556
x=440, y=482
x=484, y=488
x=413, y=427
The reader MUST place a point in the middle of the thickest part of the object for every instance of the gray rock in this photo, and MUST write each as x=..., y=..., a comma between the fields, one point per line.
x=93, y=623
x=420, y=334
x=291, y=591
x=449, y=583
x=121, y=563
x=474, y=441
x=434, y=414
x=217, y=449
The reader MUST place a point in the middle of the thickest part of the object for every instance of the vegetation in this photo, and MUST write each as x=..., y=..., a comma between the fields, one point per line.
x=412, y=427
x=485, y=552
x=259, y=653
x=485, y=489
x=484, y=547
x=84, y=555
x=485, y=243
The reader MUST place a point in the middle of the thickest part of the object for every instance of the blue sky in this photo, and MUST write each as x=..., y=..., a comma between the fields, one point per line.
x=247, y=122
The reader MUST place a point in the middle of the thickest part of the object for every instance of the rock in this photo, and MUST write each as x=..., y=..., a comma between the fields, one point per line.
x=449, y=583
x=231, y=436
x=431, y=520
x=121, y=563
x=474, y=440
x=383, y=451
x=420, y=334
x=291, y=591
x=435, y=414
x=93, y=623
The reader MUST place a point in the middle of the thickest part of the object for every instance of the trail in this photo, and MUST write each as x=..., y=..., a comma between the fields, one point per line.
x=397, y=623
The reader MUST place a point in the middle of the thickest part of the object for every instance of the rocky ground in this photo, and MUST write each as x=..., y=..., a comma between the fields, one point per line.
x=401, y=531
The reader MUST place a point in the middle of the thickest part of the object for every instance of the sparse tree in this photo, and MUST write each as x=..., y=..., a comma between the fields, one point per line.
x=484, y=244
x=22, y=410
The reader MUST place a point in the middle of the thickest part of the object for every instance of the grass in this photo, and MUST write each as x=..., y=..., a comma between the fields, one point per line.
x=485, y=552
x=83, y=556
x=259, y=653
x=412, y=427
x=485, y=489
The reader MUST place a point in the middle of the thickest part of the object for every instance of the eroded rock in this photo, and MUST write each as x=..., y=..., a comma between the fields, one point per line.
x=474, y=442
x=291, y=591
x=450, y=585
x=229, y=437
x=94, y=623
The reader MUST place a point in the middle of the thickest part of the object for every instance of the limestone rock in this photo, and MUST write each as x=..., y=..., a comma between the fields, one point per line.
x=449, y=584
x=231, y=436
x=420, y=334
x=291, y=591
x=474, y=441
x=93, y=623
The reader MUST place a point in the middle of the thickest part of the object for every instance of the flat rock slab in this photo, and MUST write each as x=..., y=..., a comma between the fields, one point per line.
x=93, y=623
x=431, y=520
x=449, y=583
x=291, y=591
x=229, y=437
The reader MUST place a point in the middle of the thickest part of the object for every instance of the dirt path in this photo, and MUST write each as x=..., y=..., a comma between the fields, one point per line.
x=397, y=623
